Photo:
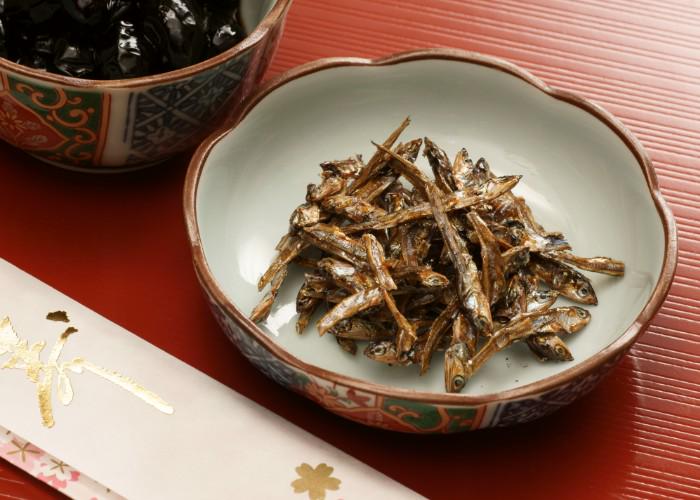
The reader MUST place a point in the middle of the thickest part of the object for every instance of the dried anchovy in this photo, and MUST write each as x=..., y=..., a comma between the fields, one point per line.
x=475, y=303
x=414, y=264
x=493, y=275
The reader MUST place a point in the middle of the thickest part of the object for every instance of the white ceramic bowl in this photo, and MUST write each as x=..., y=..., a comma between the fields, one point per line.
x=583, y=174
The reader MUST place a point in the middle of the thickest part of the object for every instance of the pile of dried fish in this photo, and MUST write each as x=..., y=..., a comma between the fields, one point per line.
x=414, y=265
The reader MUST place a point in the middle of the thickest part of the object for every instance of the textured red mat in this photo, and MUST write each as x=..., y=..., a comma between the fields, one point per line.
x=118, y=245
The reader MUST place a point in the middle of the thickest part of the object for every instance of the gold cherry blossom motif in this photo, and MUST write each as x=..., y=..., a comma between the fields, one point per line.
x=315, y=481
x=26, y=357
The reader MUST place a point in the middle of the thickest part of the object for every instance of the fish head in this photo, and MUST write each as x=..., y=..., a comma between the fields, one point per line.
x=573, y=318
x=456, y=363
x=383, y=351
x=550, y=347
x=305, y=215
x=575, y=285
x=583, y=290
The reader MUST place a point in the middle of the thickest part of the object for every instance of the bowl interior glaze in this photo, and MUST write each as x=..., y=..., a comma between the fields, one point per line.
x=579, y=177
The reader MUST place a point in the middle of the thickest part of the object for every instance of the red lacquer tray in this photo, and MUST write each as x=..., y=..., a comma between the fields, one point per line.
x=118, y=245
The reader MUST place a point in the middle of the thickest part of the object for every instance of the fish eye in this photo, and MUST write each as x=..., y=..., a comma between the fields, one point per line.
x=584, y=291
x=458, y=381
x=379, y=350
x=581, y=313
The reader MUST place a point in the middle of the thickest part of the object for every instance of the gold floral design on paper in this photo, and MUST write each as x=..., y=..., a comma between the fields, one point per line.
x=27, y=357
x=315, y=481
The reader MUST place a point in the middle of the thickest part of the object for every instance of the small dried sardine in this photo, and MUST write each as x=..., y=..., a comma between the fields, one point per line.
x=345, y=169
x=305, y=215
x=308, y=299
x=440, y=164
x=348, y=307
x=462, y=332
x=604, y=265
x=493, y=280
x=406, y=333
x=385, y=351
x=375, y=257
x=331, y=239
x=347, y=345
x=352, y=207
x=289, y=249
x=378, y=159
x=564, y=279
x=344, y=275
x=461, y=169
x=458, y=200
x=262, y=310
x=558, y=320
x=475, y=303
x=360, y=329
x=329, y=186
x=456, y=361
x=547, y=346
x=437, y=330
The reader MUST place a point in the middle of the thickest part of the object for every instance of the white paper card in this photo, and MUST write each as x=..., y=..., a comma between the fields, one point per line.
x=216, y=444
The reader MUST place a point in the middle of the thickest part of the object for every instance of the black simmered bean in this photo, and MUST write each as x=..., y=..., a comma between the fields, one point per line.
x=115, y=39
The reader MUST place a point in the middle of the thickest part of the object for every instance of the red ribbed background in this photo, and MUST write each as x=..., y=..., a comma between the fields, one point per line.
x=118, y=245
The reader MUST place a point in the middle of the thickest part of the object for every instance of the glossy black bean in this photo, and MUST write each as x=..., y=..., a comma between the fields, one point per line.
x=73, y=58
x=178, y=28
x=113, y=39
x=128, y=53
x=223, y=26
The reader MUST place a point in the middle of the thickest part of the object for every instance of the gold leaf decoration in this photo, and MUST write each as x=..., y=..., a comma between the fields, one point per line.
x=61, y=316
x=26, y=357
x=315, y=481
